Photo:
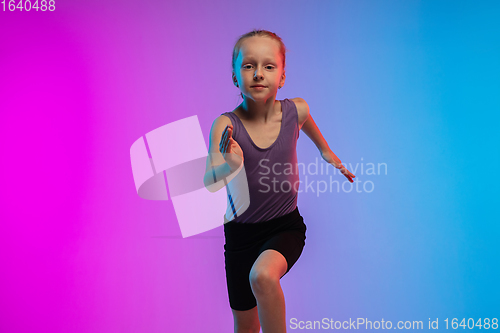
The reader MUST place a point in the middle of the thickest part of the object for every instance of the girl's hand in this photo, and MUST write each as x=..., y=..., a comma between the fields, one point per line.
x=331, y=158
x=230, y=149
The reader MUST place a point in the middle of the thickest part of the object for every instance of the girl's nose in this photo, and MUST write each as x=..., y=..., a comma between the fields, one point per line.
x=258, y=74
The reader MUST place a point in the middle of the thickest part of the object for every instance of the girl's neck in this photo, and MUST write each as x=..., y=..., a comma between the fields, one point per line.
x=260, y=111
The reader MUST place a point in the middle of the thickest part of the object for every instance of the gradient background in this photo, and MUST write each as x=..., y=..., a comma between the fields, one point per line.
x=413, y=84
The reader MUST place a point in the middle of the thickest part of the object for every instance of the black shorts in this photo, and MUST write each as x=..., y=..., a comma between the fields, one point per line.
x=246, y=241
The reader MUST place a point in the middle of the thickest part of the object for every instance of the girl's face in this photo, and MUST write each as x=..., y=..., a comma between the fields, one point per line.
x=259, y=63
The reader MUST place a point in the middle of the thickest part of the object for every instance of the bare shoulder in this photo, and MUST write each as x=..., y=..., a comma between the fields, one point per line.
x=302, y=110
x=223, y=119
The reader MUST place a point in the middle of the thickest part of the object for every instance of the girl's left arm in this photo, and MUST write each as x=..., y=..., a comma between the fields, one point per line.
x=308, y=126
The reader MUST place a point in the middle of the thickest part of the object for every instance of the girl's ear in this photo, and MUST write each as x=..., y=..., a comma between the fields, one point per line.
x=235, y=81
x=282, y=81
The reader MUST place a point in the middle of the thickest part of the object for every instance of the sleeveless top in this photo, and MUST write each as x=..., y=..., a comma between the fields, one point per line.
x=272, y=172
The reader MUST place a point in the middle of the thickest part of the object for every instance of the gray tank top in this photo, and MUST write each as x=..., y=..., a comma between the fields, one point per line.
x=272, y=173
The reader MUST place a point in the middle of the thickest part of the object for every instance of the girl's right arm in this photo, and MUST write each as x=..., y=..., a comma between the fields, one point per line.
x=224, y=154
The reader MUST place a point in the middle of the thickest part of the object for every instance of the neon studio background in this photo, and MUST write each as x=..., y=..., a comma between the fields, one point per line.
x=410, y=84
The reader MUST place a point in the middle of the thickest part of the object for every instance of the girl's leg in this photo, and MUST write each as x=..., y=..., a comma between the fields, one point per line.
x=246, y=321
x=265, y=276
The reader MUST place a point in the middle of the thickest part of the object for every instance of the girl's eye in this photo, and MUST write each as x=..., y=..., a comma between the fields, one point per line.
x=268, y=67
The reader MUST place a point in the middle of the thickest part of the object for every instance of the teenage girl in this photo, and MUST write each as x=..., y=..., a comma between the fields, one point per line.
x=264, y=241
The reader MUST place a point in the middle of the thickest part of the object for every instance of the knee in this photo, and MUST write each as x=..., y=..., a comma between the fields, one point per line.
x=262, y=282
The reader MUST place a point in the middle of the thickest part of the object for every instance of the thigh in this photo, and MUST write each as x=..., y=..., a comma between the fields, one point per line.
x=289, y=244
x=238, y=265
